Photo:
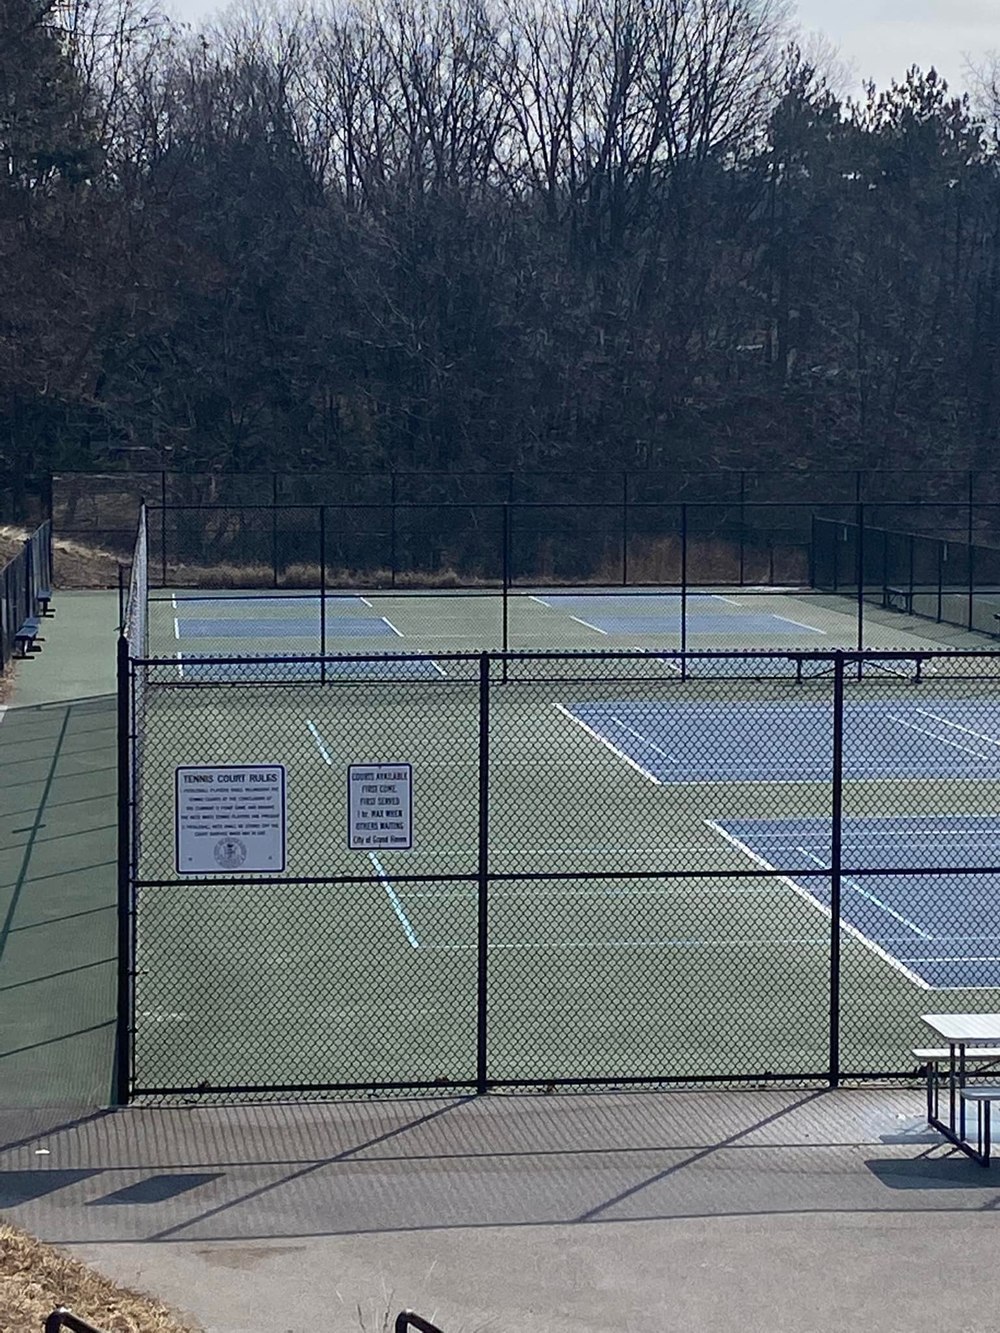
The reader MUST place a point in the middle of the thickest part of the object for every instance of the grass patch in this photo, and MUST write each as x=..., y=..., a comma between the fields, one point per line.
x=35, y=1279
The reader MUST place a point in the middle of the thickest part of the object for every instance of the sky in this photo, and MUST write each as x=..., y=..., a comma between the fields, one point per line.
x=881, y=39
x=875, y=39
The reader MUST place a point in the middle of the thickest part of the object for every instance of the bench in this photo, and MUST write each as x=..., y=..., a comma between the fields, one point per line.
x=984, y=1096
x=43, y=596
x=897, y=599
x=931, y=1057
x=24, y=639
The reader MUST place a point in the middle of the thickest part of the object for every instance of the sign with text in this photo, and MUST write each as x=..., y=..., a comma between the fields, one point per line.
x=229, y=819
x=380, y=807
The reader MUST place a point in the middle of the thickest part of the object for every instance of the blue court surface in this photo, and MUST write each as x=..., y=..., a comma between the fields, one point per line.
x=708, y=615
x=199, y=667
x=941, y=930
x=289, y=627
x=916, y=736
x=279, y=617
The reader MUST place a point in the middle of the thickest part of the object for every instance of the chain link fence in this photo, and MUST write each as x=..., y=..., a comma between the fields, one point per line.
x=625, y=867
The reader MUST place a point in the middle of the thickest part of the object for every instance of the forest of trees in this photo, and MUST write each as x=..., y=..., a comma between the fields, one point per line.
x=577, y=234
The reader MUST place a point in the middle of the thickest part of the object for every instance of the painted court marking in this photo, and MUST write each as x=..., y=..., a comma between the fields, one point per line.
x=397, y=906
x=587, y=625
x=799, y=624
x=807, y=897
x=911, y=726
x=870, y=897
x=609, y=745
x=386, y=621
x=320, y=744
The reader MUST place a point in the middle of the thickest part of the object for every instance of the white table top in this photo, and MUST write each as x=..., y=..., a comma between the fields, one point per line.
x=965, y=1029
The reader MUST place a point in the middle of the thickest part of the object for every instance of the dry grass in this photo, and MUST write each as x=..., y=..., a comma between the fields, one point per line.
x=34, y=1279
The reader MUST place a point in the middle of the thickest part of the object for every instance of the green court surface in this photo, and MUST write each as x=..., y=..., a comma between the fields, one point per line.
x=57, y=903
x=591, y=974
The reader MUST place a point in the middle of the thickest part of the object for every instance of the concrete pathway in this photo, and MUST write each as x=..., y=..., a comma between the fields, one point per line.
x=764, y=1210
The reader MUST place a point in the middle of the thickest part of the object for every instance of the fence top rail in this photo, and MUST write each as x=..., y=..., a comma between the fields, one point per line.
x=584, y=655
x=614, y=502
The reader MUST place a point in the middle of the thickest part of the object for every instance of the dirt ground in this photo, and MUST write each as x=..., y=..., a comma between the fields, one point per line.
x=35, y=1279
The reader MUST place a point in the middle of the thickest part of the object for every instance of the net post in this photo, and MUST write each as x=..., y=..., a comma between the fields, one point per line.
x=123, y=1006
x=836, y=864
x=322, y=593
x=482, y=927
x=684, y=579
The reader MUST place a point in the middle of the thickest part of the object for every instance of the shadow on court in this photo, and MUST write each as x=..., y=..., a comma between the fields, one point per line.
x=57, y=903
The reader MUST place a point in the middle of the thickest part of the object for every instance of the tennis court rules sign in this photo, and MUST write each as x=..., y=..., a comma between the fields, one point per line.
x=230, y=819
x=380, y=807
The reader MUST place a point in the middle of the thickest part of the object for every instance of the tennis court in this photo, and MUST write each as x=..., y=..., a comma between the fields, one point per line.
x=628, y=831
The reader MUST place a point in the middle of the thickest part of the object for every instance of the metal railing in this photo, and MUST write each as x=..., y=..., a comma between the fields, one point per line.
x=25, y=588
x=62, y=1318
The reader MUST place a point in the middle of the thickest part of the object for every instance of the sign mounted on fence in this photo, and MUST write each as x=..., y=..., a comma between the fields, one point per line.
x=380, y=807
x=230, y=819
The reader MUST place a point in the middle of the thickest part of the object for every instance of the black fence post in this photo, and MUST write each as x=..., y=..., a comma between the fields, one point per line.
x=274, y=529
x=392, y=529
x=163, y=526
x=970, y=534
x=836, y=864
x=624, y=529
x=123, y=1021
x=121, y=598
x=482, y=958
x=322, y=592
x=940, y=587
x=684, y=580
x=743, y=526
x=505, y=581
x=860, y=562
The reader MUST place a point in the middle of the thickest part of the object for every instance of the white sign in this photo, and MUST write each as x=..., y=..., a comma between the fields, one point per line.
x=380, y=805
x=230, y=819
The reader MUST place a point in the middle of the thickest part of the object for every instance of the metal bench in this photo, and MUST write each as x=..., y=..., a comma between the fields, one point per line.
x=25, y=637
x=984, y=1096
x=931, y=1057
x=897, y=599
x=43, y=596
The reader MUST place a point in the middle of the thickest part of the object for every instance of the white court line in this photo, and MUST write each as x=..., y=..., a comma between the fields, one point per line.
x=180, y=664
x=364, y=600
x=877, y=902
x=678, y=942
x=587, y=625
x=640, y=737
x=935, y=737
x=388, y=622
x=958, y=727
x=177, y=626
x=320, y=745
x=561, y=708
x=397, y=906
x=815, y=903
x=799, y=624
x=718, y=597
x=540, y=600
x=959, y=958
